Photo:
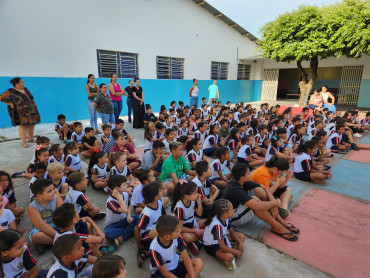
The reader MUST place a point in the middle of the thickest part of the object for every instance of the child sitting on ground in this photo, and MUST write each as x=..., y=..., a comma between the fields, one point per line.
x=186, y=202
x=57, y=154
x=40, y=173
x=145, y=231
x=170, y=137
x=69, y=252
x=7, y=219
x=97, y=171
x=246, y=155
x=106, y=136
x=276, y=148
x=63, y=129
x=296, y=138
x=77, y=134
x=82, y=203
x=164, y=249
x=89, y=142
x=259, y=139
x=221, y=162
x=154, y=158
x=149, y=135
x=40, y=213
x=119, y=224
x=211, y=143
x=109, y=266
x=195, y=153
x=123, y=146
x=118, y=165
x=7, y=189
x=336, y=143
x=145, y=176
x=72, y=163
x=120, y=126
x=56, y=173
x=218, y=234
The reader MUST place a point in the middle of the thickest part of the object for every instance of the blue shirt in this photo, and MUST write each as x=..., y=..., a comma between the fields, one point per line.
x=213, y=91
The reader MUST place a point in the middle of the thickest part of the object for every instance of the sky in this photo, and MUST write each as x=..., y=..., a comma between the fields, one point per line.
x=253, y=14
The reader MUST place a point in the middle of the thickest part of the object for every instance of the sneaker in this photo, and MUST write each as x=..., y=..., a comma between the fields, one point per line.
x=358, y=135
x=99, y=216
x=106, y=190
x=117, y=242
x=18, y=174
x=41, y=248
x=194, y=248
x=231, y=265
x=354, y=147
x=199, y=244
x=106, y=250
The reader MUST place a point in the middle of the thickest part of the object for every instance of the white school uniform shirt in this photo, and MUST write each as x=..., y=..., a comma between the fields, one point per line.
x=166, y=146
x=165, y=255
x=333, y=140
x=213, y=118
x=17, y=266
x=6, y=218
x=364, y=122
x=149, y=217
x=77, y=198
x=270, y=152
x=201, y=187
x=58, y=269
x=168, y=126
x=100, y=172
x=181, y=132
x=157, y=135
x=289, y=130
x=113, y=215
x=216, y=231
x=294, y=138
x=302, y=163
x=59, y=186
x=200, y=135
x=73, y=162
x=244, y=152
x=237, y=116
x=194, y=156
x=126, y=171
x=77, y=137
x=204, y=114
x=186, y=214
x=330, y=128
x=312, y=133
x=218, y=166
x=250, y=131
x=259, y=139
x=137, y=196
x=210, y=140
x=54, y=159
x=148, y=143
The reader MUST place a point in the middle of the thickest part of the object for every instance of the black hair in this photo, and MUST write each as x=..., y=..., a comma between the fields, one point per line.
x=254, y=124
x=172, y=102
x=203, y=98
x=75, y=178
x=270, y=125
x=116, y=181
x=15, y=81
x=240, y=125
x=39, y=152
x=339, y=126
x=232, y=136
x=61, y=116
x=142, y=174
x=40, y=166
x=63, y=215
x=101, y=85
x=274, y=140
x=88, y=129
x=69, y=147
x=201, y=124
x=147, y=106
x=211, y=129
x=54, y=148
x=64, y=245
x=166, y=225
x=261, y=127
x=162, y=108
x=201, y=167
x=10, y=184
x=245, y=139
x=317, y=122
x=194, y=79
x=305, y=109
x=105, y=126
x=8, y=238
x=168, y=131
x=157, y=144
x=295, y=131
x=304, y=147
x=108, y=266
x=223, y=121
x=88, y=77
x=42, y=140
x=321, y=133
x=38, y=186
x=94, y=159
x=76, y=124
x=182, y=189
x=183, y=139
x=281, y=130
x=190, y=145
x=239, y=170
x=136, y=79
x=159, y=125
x=221, y=151
x=150, y=191
x=367, y=114
x=219, y=207
x=120, y=121
x=282, y=164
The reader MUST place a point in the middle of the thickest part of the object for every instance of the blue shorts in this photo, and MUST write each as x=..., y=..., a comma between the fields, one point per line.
x=304, y=176
x=212, y=249
x=107, y=118
x=35, y=230
x=179, y=271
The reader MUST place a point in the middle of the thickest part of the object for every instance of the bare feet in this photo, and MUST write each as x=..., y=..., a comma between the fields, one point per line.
x=319, y=182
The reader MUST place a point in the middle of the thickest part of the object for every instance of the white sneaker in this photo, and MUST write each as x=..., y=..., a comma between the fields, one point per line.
x=358, y=135
x=231, y=265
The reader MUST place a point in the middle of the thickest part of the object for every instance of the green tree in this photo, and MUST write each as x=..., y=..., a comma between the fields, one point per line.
x=312, y=33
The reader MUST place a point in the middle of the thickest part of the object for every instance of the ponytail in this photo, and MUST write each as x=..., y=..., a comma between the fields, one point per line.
x=281, y=164
x=219, y=207
x=190, y=145
x=142, y=174
x=182, y=189
x=113, y=157
x=88, y=78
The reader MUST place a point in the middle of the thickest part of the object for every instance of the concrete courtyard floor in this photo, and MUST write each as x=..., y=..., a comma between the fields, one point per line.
x=264, y=255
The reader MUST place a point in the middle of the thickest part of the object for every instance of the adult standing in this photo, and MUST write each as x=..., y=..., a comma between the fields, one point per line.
x=214, y=94
x=116, y=92
x=325, y=97
x=315, y=100
x=193, y=93
x=92, y=92
x=130, y=99
x=138, y=104
x=22, y=110
x=104, y=105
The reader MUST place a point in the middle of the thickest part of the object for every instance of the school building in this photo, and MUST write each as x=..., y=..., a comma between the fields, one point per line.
x=54, y=45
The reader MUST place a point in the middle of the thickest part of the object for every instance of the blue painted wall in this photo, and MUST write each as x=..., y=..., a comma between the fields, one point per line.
x=364, y=97
x=54, y=95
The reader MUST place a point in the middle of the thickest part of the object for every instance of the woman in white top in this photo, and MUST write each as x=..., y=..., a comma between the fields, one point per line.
x=325, y=97
x=193, y=93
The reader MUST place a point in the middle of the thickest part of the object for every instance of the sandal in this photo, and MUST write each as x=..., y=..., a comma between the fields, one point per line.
x=32, y=141
x=294, y=238
x=106, y=250
x=25, y=145
x=117, y=242
x=296, y=231
x=141, y=256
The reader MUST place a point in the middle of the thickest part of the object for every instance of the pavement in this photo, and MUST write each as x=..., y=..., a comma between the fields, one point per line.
x=333, y=219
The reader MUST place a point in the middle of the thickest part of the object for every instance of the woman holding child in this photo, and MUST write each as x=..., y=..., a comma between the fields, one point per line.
x=22, y=110
x=138, y=104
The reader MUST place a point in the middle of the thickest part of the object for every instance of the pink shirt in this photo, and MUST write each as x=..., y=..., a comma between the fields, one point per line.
x=128, y=147
x=117, y=89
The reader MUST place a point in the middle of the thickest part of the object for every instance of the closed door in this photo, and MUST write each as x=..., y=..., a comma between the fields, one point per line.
x=270, y=84
x=350, y=84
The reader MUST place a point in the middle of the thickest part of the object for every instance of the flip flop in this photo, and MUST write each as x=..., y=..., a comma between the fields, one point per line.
x=25, y=145
x=106, y=250
x=31, y=141
x=295, y=238
x=140, y=257
x=297, y=231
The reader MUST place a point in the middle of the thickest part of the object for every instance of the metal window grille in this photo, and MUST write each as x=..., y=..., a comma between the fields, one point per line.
x=170, y=68
x=244, y=72
x=121, y=63
x=219, y=70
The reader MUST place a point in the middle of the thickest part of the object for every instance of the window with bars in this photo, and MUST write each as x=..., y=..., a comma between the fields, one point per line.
x=244, y=72
x=219, y=70
x=170, y=68
x=121, y=63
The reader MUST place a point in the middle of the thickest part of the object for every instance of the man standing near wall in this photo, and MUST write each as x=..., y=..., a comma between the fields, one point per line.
x=214, y=94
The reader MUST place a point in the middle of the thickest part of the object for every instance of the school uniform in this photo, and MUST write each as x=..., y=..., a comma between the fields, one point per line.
x=244, y=153
x=208, y=148
x=61, y=135
x=215, y=231
x=77, y=137
x=10, y=195
x=260, y=139
x=126, y=171
x=186, y=214
x=166, y=146
x=270, y=152
x=200, y=135
x=148, y=143
x=18, y=266
x=213, y=118
x=294, y=139
x=78, y=199
x=237, y=116
x=147, y=222
x=6, y=218
x=333, y=141
x=312, y=133
x=218, y=166
x=54, y=159
x=289, y=130
x=137, y=196
x=194, y=156
x=59, y=185
x=59, y=270
x=101, y=173
x=73, y=162
x=105, y=137
x=182, y=132
x=250, y=131
x=168, y=256
x=302, y=167
x=168, y=126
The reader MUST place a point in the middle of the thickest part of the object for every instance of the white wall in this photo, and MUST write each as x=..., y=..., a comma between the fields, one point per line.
x=59, y=38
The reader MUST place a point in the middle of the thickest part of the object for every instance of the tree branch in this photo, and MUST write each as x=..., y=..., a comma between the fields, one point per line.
x=302, y=72
x=313, y=68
